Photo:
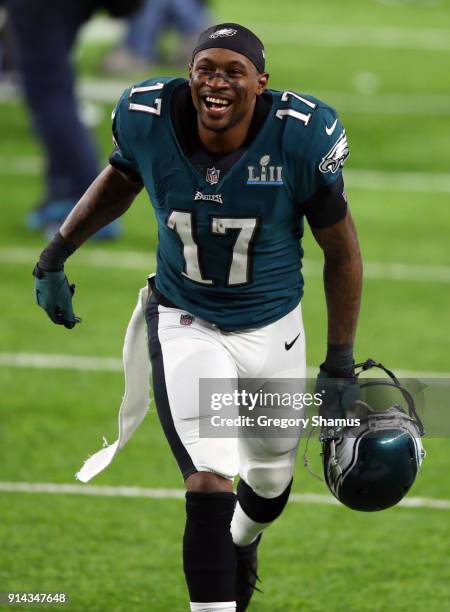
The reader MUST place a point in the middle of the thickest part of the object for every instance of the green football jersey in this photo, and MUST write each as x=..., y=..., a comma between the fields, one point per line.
x=230, y=248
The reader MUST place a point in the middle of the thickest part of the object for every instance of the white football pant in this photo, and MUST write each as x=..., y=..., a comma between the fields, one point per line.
x=183, y=350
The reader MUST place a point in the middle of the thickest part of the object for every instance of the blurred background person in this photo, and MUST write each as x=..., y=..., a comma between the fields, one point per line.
x=8, y=53
x=45, y=34
x=140, y=49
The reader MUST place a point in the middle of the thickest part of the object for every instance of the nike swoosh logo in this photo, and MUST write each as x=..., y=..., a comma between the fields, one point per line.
x=330, y=130
x=289, y=345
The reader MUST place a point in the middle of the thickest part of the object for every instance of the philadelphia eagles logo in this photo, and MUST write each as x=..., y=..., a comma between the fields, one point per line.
x=209, y=197
x=223, y=32
x=336, y=156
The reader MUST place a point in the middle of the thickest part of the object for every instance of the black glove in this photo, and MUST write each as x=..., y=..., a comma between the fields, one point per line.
x=338, y=394
x=54, y=294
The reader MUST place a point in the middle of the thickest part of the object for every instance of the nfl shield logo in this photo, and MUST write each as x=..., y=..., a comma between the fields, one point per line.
x=212, y=176
x=186, y=319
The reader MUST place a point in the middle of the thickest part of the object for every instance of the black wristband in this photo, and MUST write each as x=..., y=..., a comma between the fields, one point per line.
x=339, y=361
x=55, y=254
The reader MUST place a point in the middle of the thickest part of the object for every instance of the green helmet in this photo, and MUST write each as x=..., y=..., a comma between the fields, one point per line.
x=373, y=465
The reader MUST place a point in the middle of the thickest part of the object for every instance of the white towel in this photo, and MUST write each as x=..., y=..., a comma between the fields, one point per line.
x=134, y=406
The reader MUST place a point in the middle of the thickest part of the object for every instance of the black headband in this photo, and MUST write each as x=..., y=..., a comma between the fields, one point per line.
x=236, y=38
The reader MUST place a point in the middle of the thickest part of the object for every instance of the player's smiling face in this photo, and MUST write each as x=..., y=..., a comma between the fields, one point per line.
x=224, y=85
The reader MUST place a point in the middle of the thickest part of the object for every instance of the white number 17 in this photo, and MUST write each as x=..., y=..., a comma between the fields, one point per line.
x=290, y=112
x=239, y=272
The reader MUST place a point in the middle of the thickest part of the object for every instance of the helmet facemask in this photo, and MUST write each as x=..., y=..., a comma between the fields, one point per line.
x=373, y=465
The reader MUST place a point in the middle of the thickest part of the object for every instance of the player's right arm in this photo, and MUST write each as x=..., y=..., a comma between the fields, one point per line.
x=113, y=191
x=108, y=197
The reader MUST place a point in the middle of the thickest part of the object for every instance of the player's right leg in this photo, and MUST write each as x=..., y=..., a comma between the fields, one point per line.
x=184, y=349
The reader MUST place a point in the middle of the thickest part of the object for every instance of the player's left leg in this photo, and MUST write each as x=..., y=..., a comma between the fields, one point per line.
x=266, y=464
x=266, y=471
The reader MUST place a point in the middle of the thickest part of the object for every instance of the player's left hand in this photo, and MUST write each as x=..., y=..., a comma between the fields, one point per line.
x=54, y=294
x=338, y=393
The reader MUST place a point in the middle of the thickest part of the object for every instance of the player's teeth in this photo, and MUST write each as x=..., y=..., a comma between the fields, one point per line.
x=217, y=101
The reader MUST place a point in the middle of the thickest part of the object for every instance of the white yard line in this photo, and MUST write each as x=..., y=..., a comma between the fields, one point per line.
x=111, y=364
x=102, y=258
x=107, y=30
x=28, y=165
x=131, y=260
x=60, y=362
x=388, y=271
x=369, y=180
x=386, y=104
x=145, y=493
x=419, y=182
x=108, y=91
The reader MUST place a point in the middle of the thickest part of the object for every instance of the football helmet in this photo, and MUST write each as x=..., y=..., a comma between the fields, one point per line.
x=373, y=465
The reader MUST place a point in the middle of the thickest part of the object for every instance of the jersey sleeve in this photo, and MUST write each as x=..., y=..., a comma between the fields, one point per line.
x=122, y=156
x=327, y=206
x=319, y=169
x=328, y=149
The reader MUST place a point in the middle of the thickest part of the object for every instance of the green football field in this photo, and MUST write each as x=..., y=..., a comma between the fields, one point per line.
x=384, y=65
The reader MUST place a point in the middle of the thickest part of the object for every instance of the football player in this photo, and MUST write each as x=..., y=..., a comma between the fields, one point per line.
x=232, y=169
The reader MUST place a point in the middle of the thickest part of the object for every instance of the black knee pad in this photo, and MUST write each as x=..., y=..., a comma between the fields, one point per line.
x=208, y=551
x=261, y=509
